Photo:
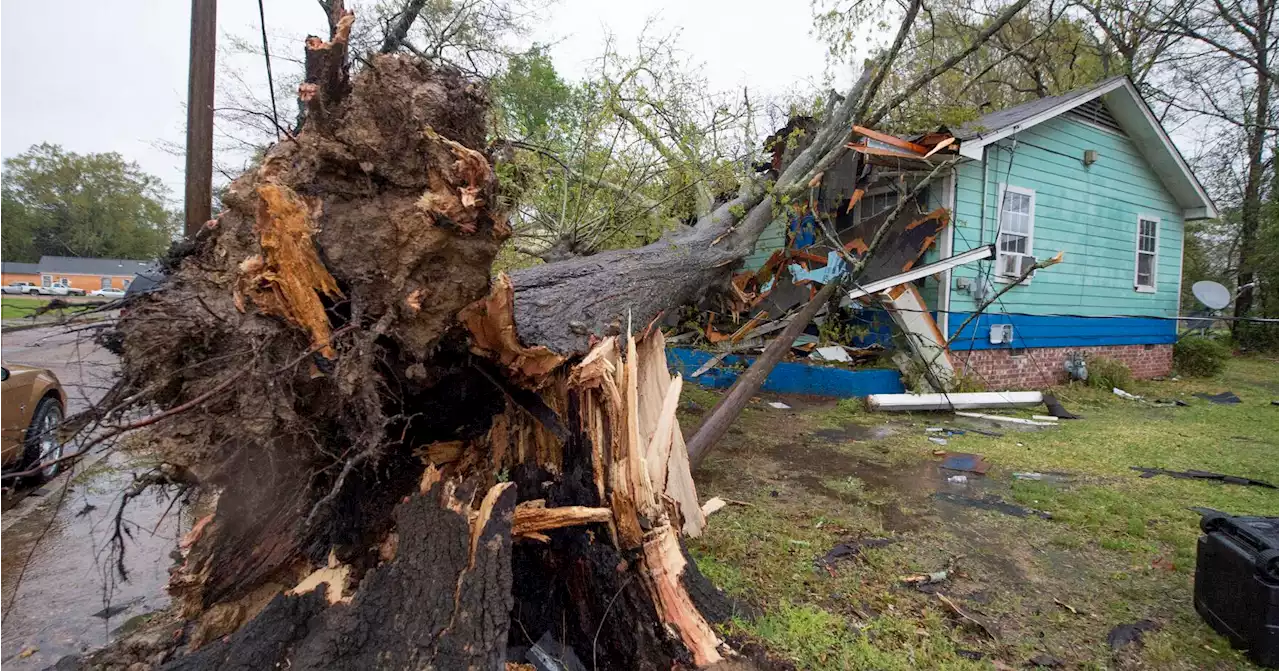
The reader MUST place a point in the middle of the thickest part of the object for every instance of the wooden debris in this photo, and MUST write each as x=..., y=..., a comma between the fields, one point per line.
x=940, y=146
x=532, y=517
x=969, y=617
x=712, y=505
x=891, y=140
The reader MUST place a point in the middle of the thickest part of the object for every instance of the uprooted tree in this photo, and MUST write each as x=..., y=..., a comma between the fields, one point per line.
x=417, y=465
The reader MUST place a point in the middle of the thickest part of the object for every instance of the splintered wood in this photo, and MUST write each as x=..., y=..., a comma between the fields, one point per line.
x=288, y=278
x=629, y=406
x=493, y=333
x=623, y=401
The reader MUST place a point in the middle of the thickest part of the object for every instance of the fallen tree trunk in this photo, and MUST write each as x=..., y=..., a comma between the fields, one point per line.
x=447, y=455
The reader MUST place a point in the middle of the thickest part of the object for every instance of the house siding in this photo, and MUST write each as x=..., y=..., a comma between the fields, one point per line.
x=1091, y=214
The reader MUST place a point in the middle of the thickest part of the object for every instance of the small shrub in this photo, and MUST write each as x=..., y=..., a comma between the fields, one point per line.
x=1200, y=356
x=1254, y=337
x=1107, y=373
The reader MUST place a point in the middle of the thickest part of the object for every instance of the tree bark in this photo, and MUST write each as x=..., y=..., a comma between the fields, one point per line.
x=1251, y=203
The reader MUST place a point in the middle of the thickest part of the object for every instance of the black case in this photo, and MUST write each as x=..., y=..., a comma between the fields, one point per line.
x=1236, y=578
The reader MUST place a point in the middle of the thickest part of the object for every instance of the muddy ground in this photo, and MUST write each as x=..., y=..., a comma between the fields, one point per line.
x=1045, y=568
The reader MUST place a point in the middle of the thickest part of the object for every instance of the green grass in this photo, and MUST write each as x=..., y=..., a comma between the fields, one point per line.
x=17, y=307
x=1119, y=548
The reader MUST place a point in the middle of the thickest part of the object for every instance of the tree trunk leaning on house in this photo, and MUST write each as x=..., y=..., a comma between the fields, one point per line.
x=385, y=419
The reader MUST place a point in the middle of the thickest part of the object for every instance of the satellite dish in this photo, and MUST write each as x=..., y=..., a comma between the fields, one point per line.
x=1213, y=295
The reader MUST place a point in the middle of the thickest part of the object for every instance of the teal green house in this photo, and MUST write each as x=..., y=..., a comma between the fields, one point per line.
x=1091, y=174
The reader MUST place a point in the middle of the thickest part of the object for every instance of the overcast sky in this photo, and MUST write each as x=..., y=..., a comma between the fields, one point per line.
x=114, y=79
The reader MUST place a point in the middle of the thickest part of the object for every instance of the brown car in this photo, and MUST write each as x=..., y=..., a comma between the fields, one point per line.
x=32, y=404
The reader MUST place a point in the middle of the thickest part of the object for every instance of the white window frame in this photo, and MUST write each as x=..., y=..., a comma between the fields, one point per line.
x=1137, y=253
x=1031, y=231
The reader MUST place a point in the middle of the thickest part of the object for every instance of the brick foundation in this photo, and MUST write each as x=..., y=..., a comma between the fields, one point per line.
x=999, y=369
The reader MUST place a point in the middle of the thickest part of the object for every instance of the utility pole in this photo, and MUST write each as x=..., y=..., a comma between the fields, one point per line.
x=199, y=191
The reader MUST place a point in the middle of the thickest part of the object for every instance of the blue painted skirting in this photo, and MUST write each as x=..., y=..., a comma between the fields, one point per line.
x=1059, y=331
x=789, y=378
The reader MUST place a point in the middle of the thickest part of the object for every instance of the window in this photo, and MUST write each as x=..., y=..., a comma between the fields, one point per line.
x=46, y=281
x=878, y=203
x=1017, y=224
x=1144, y=271
x=106, y=283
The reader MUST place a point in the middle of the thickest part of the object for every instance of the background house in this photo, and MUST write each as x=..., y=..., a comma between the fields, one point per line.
x=1090, y=173
x=79, y=273
x=15, y=271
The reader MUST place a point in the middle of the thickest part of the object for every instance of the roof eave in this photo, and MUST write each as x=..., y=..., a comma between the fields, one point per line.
x=1169, y=163
x=972, y=148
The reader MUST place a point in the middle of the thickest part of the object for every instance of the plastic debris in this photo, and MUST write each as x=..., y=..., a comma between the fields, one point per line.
x=833, y=353
x=990, y=502
x=1225, y=398
x=549, y=654
x=1124, y=394
x=937, y=441
x=851, y=549
x=1055, y=408
x=963, y=461
x=1201, y=475
x=924, y=578
x=958, y=479
x=779, y=406
x=1124, y=634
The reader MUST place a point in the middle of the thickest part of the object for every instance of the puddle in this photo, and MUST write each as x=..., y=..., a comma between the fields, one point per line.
x=70, y=598
x=856, y=432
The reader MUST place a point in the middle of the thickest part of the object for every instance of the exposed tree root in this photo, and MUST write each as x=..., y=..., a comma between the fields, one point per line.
x=402, y=479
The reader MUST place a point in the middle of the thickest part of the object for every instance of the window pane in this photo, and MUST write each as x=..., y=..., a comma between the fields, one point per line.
x=1009, y=264
x=1013, y=243
x=1017, y=202
x=1147, y=245
x=1146, y=265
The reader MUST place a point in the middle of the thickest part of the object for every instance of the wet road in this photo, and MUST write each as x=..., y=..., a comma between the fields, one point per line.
x=85, y=370
x=70, y=598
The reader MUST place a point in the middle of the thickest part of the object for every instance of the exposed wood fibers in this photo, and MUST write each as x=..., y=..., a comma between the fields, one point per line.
x=287, y=279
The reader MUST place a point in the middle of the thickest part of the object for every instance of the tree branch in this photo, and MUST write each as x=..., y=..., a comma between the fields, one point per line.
x=399, y=30
x=929, y=75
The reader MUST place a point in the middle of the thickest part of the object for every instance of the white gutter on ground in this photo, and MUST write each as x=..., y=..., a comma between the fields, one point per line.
x=986, y=399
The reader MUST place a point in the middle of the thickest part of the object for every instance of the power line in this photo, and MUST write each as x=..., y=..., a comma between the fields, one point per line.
x=266, y=55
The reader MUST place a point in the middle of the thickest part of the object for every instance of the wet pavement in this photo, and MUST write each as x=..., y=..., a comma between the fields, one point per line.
x=70, y=598
x=85, y=370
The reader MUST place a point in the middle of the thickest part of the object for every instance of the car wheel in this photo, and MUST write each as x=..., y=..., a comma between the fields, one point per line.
x=42, y=440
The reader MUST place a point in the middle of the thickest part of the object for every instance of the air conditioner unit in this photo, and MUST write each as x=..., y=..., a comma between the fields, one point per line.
x=1001, y=334
x=1027, y=263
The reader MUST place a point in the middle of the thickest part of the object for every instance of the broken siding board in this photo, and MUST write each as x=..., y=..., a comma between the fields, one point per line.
x=793, y=378
x=772, y=239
